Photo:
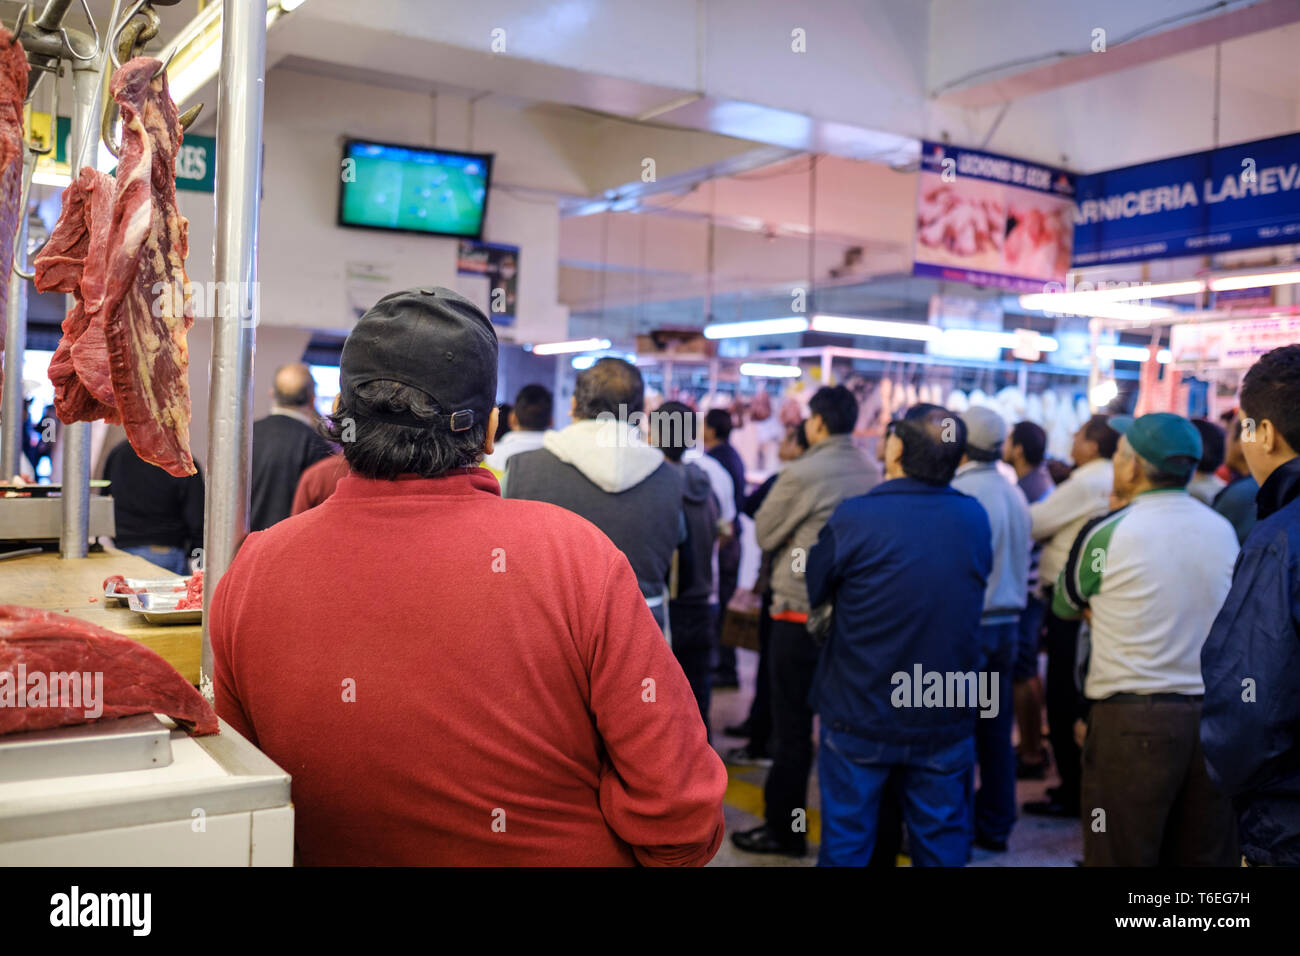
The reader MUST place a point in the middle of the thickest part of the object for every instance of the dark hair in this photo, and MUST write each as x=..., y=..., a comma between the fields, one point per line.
x=1213, y=444
x=719, y=420
x=1271, y=391
x=376, y=449
x=1097, y=430
x=673, y=442
x=611, y=386
x=503, y=421
x=837, y=407
x=927, y=456
x=801, y=436
x=1032, y=441
x=533, y=408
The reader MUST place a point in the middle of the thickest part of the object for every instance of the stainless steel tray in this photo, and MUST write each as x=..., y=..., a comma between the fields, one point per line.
x=161, y=608
x=159, y=585
x=141, y=742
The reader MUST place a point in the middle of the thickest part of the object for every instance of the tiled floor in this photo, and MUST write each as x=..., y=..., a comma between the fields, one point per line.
x=1035, y=841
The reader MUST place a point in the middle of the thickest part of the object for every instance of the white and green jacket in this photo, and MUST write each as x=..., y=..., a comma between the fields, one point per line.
x=1154, y=575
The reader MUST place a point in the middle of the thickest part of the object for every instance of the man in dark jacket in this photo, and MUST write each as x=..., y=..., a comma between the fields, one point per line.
x=157, y=517
x=690, y=613
x=601, y=468
x=1250, y=721
x=905, y=566
x=717, y=445
x=285, y=444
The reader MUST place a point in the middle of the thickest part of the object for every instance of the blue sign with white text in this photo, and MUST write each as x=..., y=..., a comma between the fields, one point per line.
x=1235, y=197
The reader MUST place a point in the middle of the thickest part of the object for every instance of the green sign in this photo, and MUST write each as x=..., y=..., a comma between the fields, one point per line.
x=196, y=163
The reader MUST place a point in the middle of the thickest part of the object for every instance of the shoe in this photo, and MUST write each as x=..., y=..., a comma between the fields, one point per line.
x=743, y=729
x=1051, y=808
x=746, y=756
x=993, y=846
x=763, y=840
x=725, y=682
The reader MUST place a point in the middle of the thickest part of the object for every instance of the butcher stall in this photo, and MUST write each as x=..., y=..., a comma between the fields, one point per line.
x=111, y=752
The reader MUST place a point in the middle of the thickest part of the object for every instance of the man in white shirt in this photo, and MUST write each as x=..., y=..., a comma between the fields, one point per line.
x=1057, y=521
x=1151, y=577
x=532, y=415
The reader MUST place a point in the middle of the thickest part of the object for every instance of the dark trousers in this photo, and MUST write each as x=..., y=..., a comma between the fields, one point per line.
x=724, y=658
x=1147, y=798
x=760, y=709
x=794, y=662
x=1064, y=702
x=995, y=801
x=692, y=629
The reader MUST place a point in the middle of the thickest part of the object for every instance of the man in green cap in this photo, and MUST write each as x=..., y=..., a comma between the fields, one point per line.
x=1150, y=579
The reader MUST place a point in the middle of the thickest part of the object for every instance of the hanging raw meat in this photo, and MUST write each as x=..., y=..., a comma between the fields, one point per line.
x=146, y=307
x=41, y=649
x=78, y=371
x=13, y=91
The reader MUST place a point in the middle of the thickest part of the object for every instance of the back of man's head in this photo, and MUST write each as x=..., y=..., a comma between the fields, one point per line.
x=611, y=386
x=672, y=429
x=718, y=421
x=1271, y=392
x=1098, y=431
x=534, y=407
x=1032, y=441
x=293, y=386
x=837, y=407
x=1213, y=445
x=933, y=444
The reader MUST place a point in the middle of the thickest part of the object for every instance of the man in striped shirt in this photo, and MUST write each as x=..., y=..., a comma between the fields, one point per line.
x=1150, y=577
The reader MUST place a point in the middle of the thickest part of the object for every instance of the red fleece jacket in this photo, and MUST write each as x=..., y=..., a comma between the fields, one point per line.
x=455, y=679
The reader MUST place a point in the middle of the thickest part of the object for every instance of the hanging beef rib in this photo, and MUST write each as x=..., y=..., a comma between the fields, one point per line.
x=13, y=91
x=146, y=308
x=41, y=652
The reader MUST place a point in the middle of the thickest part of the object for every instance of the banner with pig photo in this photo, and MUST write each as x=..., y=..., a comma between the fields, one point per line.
x=992, y=220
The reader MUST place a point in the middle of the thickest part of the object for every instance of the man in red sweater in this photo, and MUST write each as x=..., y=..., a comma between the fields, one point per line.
x=452, y=678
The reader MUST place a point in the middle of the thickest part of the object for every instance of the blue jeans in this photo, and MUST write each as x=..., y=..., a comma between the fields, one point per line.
x=173, y=559
x=995, y=801
x=1030, y=628
x=932, y=784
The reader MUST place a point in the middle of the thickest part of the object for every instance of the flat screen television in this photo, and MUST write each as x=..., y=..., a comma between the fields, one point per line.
x=413, y=189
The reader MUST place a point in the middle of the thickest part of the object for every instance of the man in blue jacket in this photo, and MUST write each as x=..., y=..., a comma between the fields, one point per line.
x=905, y=566
x=1250, y=722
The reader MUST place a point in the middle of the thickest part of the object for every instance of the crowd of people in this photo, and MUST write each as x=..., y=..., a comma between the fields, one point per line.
x=505, y=637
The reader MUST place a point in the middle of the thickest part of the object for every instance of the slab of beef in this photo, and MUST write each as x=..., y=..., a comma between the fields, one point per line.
x=72, y=261
x=13, y=91
x=135, y=679
x=147, y=309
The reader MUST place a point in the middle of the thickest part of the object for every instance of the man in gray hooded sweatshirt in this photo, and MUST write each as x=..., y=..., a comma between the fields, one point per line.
x=600, y=467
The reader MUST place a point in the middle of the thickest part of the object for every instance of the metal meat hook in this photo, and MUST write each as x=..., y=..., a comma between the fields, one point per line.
x=126, y=41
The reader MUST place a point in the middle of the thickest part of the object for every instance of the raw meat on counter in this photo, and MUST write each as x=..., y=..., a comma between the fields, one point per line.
x=13, y=91
x=193, y=593
x=135, y=679
x=73, y=261
x=148, y=359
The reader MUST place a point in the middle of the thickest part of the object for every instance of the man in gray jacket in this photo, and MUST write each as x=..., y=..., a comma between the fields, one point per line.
x=1004, y=600
x=789, y=521
x=601, y=468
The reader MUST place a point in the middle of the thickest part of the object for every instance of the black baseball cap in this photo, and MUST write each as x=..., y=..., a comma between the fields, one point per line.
x=429, y=338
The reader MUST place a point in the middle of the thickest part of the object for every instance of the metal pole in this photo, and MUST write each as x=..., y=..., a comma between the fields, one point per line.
x=83, y=143
x=240, y=92
x=13, y=416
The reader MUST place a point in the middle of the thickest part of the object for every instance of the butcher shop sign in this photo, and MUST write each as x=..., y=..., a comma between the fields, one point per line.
x=1235, y=197
x=991, y=220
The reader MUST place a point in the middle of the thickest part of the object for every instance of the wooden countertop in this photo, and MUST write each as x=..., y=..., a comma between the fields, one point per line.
x=47, y=582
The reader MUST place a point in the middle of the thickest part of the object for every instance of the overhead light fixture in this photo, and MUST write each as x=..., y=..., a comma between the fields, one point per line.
x=197, y=47
x=769, y=370
x=583, y=362
x=1132, y=353
x=733, y=330
x=975, y=339
x=46, y=177
x=1072, y=303
x=880, y=328
x=577, y=345
x=1254, y=280
x=1104, y=393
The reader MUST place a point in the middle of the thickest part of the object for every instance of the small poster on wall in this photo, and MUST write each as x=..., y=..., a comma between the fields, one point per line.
x=490, y=278
x=992, y=220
